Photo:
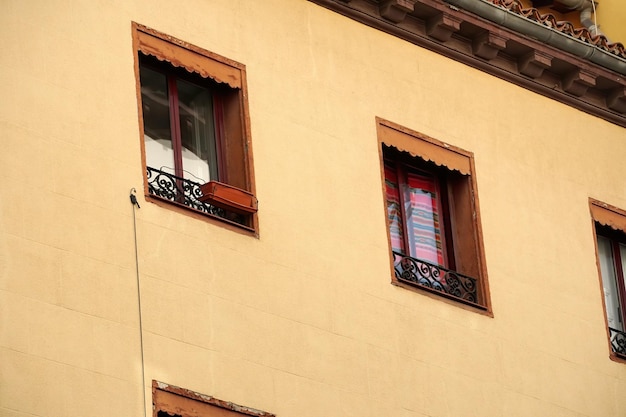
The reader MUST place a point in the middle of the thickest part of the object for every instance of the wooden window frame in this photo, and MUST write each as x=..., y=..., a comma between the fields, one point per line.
x=232, y=120
x=172, y=75
x=176, y=401
x=613, y=220
x=462, y=226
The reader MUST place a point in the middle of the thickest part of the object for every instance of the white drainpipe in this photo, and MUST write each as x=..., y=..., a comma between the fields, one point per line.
x=586, y=7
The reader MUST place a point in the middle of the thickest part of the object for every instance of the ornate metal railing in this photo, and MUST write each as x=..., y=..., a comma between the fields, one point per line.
x=434, y=277
x=618, y=341
x=183, y=191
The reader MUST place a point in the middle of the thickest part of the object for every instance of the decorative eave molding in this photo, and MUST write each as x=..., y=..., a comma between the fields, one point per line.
x=499, y=51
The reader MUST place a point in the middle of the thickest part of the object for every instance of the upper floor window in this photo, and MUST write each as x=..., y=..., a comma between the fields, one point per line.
x=195, y=128
x=610, y=228
x=432, y=215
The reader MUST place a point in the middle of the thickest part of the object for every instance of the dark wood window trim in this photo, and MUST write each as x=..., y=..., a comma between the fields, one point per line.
x=496, y=50
x=463, y=241
x=231, y=116
x=171, y=401
x=610, y=223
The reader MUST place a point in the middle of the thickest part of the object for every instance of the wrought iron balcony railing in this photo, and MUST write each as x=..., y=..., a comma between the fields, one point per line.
x=618, y=341
x=183, y=191
x=424, y=274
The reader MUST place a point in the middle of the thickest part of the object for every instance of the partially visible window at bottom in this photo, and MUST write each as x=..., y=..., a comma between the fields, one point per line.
x=172, y=401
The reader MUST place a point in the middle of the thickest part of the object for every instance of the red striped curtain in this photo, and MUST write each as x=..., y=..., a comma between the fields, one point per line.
x=422, y=215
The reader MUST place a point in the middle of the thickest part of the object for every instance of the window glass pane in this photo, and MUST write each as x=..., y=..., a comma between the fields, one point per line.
x=420, y=199
x=156, y=120
x=197, y=132
x=609, y=283
x=394, y=211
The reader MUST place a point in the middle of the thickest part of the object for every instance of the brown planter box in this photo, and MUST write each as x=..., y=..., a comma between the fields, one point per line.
x=228, y=197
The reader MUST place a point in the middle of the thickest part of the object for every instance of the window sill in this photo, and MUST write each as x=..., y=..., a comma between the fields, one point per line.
x=615, y=357
x=181, y=208
x=440, y=298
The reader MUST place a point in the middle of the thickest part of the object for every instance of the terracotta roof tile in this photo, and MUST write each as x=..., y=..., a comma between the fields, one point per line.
x=567, y=28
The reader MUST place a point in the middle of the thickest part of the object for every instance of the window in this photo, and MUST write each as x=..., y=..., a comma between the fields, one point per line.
x=610, y=230
x=195, y=126
x=171, y=401
x=432, y=215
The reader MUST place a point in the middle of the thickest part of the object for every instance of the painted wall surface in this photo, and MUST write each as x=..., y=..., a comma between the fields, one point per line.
x=302, y=321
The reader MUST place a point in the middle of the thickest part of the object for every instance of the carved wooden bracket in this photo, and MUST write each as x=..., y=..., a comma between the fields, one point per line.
x=578, y=81
x=396, y=10
x=616, y=100
x=487, y=45
x=533, y=63
x=442, y=26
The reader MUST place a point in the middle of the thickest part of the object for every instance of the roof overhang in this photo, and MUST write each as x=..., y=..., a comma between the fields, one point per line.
x=506, y=44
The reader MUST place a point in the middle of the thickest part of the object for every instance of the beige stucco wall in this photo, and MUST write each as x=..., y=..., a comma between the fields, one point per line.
x=302, y=321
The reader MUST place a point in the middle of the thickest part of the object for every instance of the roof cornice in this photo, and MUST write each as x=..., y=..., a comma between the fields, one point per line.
x=512, y=55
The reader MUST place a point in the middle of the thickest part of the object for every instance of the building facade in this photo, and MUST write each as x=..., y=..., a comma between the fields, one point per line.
x=313, y=207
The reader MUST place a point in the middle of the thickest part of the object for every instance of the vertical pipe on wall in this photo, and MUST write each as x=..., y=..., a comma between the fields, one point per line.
x=134, y=202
